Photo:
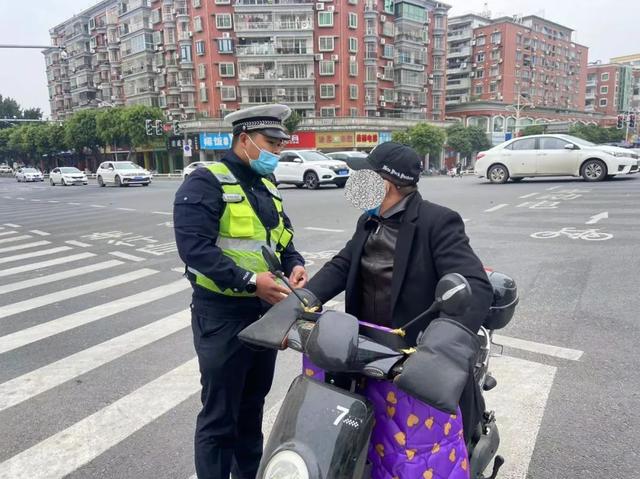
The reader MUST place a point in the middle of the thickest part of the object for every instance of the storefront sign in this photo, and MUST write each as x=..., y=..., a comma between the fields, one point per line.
x=335, y=139
x=215, y=141
x=366, y=139
x=302, y=139
x=178, y=142
x=384, y=137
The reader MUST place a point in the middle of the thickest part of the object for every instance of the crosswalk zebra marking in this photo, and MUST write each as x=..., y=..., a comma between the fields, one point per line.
x=78, y=243
x=68, y=450
x=44, y=300
x=12, y=225
x=51, y=278
x=45, y=264
x=24, y=246
x=5, y=233
x=13, y=239
x=34, y=254
x=130, y=257
x=40, y=233
x=74, y=320
x=36, y=382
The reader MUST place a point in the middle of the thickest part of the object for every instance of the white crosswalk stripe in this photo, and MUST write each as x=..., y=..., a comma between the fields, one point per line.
x=24, y=246
x=13, y=239
x=45, y=264
x=34, y=254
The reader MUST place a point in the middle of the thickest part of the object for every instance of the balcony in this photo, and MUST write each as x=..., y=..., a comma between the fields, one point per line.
x=268, y=49
x=459, y=52
x=457, y=35
x=460, y=83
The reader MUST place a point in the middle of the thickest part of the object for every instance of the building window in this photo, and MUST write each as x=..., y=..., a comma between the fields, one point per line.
x=202, y=71
x=200, y=47
x=185, y=54
x=478, y=90
x=223, y=21
x=327, y=90
x=203, y=93
x=196, y=3
x=495, y=71
x=387, y=51
x=480, y=57
x=327, y=112
x=481, y=41
x=325, y=44
x=327, y=68
x=604, y=90
x=353, y=45
x=227, y=70
x=325, y=19
x=603, y=102
x=197, y=24
x=353, y=112
x=496, y=38
x=604, y=77
x=222, y=2
x=228, y=93
x=353, y=20
x=388, y=6
x=353, y=69
x=480, y=74
x=353, y=92
x=495, y=55
x=225, y=45
x=493, y=87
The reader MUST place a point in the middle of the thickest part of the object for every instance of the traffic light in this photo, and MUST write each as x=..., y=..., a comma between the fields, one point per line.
x=632, y=120
x=620, y=124
x=176, y=127
x=159, y=127
x=148, y=127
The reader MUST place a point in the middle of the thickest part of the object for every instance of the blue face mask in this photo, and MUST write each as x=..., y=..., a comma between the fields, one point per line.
x=266, y=162
x=373, y=211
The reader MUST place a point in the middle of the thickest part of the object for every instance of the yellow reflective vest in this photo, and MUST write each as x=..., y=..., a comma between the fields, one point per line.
x=241, y=234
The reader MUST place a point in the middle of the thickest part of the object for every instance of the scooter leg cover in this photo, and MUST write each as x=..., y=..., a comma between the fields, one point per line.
x=439, y=370
x=410, y=439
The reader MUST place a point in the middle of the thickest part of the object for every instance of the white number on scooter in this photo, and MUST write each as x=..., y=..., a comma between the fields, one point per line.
x=343, y=412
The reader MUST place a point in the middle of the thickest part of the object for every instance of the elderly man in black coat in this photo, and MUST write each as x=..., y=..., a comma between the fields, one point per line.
x=390, y=267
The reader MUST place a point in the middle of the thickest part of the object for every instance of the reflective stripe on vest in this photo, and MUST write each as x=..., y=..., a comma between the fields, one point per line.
x=241, y=234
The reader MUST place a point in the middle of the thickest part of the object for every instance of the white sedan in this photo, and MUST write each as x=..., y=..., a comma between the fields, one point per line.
x=122, y=173
x=191, y=167
x=29, y=174
x=310, y=168
x=67, y=175
x=554, y=155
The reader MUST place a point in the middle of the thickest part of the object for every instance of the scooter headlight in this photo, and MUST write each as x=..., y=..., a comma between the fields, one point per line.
x=286, y=465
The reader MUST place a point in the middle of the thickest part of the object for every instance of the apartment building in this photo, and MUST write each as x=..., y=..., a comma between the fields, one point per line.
x=460, y=56
x=350, y=58
x=123, y=52
x=610, y=89
x=633, y=61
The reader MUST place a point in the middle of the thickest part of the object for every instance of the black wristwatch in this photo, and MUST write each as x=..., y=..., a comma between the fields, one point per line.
x=251, y=286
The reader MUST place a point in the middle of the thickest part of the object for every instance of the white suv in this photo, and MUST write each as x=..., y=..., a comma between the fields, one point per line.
x=554, y=155
x=310, y=168
x=122, y=173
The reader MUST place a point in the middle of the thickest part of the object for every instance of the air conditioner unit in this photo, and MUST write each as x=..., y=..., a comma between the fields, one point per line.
x=92, y=50
x=334, y=58
x=383, y=18
x=158, y=71
x=390, y=63
x=382, y=103
x=319, y=6
x=113, y=97
x=382, y=41
x=181, y=105
x=472, y=74
x=223, y=106
x=381, y=98
x=319, y=57
x=330, y=8
x=377, y=113
x=219, y=83
x=499, y=77
x=352, y=58
x=473, y=43
x=190, y=34
x=281, y=92
x=225, y=35
x=379, y=75
x=463, y=65
x=176, y=56
x=500, y=61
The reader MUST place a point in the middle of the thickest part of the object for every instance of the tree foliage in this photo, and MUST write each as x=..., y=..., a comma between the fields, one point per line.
x=467, y=140
x=9, y=108
x=597, y=134
x=533, y=130
x=423, y=137
x=292, y=123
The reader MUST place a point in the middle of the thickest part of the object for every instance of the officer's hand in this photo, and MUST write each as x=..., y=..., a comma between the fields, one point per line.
x=269, y=290
x=298, y=277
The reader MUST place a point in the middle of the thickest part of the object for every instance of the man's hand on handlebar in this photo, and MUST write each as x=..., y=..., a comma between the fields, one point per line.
x=269, y=290
x=298, y=277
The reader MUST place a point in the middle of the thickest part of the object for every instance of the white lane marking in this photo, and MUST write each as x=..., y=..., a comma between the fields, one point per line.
x=12, y=225
x=7, y=197
x=519, y=401
x=33, y=199
x=40, y=233
x=553, y=188
x=130, y=257
x=53, y=201
x=529, y=195
x=465, y=220
x=27, y=305
x=44, y=264
x=15, y=238
x=74, y=204
x=178, y=269
x=10, y=232
x=126, y=209
x=496, y=208
x=546, y=349
x=19, y=198
x=327, y=230
x=50, y=278
x=65, y=323
x=162, y=213
x=78, y=243
x=600, y=216
x=34, y=254
x=36, y=382
x=98, y=206
x=68, y=450
x=24, y=246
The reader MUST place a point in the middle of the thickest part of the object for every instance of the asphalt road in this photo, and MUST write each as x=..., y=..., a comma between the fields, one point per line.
x=97, y=370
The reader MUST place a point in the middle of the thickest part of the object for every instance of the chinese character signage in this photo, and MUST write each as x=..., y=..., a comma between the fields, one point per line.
x=366, y=139
x=302, y=139
x=215, y=141
x=335, y=139
x=178, y=143
x=384, y=137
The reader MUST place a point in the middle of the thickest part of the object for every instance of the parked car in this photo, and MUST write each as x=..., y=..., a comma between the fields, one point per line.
x=5, y=170
x=310, y=168
x=122, y=173
x=346, y=156
x=191, y=167
x=67, y=175
x=554, y=155
x=28, y=174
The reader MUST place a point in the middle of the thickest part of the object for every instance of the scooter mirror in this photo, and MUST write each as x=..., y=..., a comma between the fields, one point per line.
x=453, y=294
x=333, y=342
x=273, y=263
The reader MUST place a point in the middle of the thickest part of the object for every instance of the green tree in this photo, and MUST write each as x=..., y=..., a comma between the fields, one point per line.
x=7, y=153
x=292, y=123
x=9, y=108
x=459, y=139
x=533, y=130
x=111, y=126
x=597, y=134
x=80, y=132
x=427, y=139
x=402, y=137
x=133, y=119
x=32, y=114
x=479, y=139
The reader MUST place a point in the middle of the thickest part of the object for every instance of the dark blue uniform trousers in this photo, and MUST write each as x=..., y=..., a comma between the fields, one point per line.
x=235, y=379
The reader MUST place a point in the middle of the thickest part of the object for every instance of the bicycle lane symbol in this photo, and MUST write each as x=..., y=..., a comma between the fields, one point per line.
x=591, y=234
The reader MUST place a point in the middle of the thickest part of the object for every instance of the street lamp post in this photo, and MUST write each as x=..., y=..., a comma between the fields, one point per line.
x=63, y=50
x=519, y=107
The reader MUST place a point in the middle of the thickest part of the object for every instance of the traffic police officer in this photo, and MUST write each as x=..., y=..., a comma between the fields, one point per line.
x=223, y=214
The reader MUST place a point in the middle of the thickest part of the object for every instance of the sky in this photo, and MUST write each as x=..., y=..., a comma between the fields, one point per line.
x=608, y=27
